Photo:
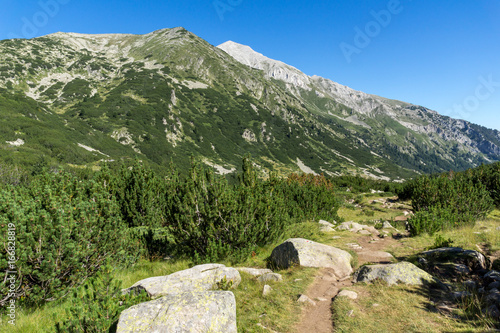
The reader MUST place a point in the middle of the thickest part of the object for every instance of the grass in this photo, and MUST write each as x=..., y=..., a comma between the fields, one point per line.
x=395, y=309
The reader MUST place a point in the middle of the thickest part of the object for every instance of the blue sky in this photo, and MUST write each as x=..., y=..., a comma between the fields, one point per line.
x=444, y=54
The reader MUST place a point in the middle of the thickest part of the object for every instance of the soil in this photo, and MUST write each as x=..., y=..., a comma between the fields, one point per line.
x=326, y=286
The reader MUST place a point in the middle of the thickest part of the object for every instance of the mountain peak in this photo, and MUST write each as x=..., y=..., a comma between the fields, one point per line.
x=273, y=68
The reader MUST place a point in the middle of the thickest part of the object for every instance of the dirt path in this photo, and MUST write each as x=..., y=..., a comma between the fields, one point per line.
x=326, y=286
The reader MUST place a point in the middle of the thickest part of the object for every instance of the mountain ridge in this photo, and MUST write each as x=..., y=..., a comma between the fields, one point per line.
x=168, y=95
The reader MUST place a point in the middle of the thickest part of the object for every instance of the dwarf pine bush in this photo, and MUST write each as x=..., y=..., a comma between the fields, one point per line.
x=64, y=231
x=447, y=201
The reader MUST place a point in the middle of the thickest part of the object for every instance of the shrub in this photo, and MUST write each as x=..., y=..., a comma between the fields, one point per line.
x=96, y=306
x=445, y=202
x=64, y=230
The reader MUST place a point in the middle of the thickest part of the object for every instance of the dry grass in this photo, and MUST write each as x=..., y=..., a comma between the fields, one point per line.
x=395, y=309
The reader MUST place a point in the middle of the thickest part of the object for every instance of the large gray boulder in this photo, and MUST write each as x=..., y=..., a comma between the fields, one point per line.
x=470, y=258
x=199, y=278
x=209, y=311
x=303, y=252
x=402, y=272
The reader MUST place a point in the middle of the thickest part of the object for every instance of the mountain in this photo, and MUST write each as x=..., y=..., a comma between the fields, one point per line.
x=169, y=95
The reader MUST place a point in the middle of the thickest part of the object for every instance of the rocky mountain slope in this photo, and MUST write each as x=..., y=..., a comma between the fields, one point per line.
x=169, y=95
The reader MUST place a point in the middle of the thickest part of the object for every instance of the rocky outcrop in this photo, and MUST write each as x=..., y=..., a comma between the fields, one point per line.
x=199, y=278
x=303, y=252
x=209, y=311
x=402, y=272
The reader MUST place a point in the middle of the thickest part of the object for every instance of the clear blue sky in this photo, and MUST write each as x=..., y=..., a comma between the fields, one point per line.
x=442, y=54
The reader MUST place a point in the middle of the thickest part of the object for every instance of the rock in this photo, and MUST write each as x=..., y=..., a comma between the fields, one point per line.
x=472, y=259
x=266, y=290
x=254, y=271
x=387, y=225
x=493, y=296
x=270, y=277
x=460, y=294
x=307, y=300
x=351, y=226
x=492, y=311
x=492, y=276
x=494, y=285
x=403, y=272
x=365, y=232
x=208, y=311
x=303, y=252
x=336, y=237
x=350, y=313
x=348, y=293
x=470, y=285
x=326, y=223
x=199, y=278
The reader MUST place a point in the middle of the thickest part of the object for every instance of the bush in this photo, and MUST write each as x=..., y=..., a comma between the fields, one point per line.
x=97, y=305
x=64, y=230
x=446, y=202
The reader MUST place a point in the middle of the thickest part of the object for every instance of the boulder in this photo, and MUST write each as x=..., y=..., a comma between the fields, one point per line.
x=208, y=311
x=199, y=278
x=254, y=271
x=470, y=258
x=303, y=252
x=402, y=272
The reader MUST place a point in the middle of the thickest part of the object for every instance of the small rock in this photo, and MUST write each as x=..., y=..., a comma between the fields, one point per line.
x=350, y=313
x=297, y=280
x=460, y=294
x=470, y=285
x=387, y=225
x=492, y=311
x=321, y=299
x=267, y=290
x=254, y=271
x=336, y=237
x=493, y=275
x=307, y=300
x=494, y=285
x=348, y=293
x=270, y=277
x=375, y=305
x=498, y=228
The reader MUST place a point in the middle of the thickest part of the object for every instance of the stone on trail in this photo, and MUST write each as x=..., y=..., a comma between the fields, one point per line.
x=303, y=252
x=208, y=311
x=199, y=278
x=307, y=300
x=402, y=272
